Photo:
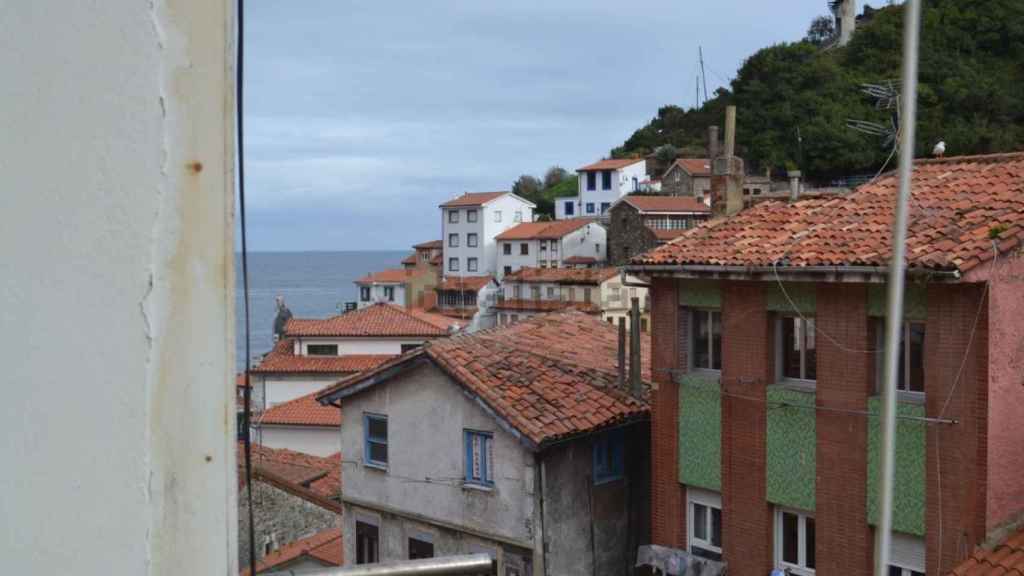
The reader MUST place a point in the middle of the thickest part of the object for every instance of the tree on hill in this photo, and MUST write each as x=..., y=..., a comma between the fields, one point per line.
x=554, y=175
x=527, y=186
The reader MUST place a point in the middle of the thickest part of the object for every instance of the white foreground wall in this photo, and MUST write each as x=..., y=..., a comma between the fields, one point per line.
x=116, y=280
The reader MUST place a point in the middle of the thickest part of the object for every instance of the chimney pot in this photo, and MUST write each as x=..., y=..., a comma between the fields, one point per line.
x=794, y=185
x=712, y=142
x=730, y=131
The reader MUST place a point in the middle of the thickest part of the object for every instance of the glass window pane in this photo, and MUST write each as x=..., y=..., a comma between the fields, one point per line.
x=791, y=336
x=378, y=452
x=810, y=350
x=701, y=340
x=916, y=383
x=895, y=571
x=790, y=538
x=378, y=428
x=708, y=554
x=716, y=340
x=700, y=522
x=809, y=542
x=716, y=527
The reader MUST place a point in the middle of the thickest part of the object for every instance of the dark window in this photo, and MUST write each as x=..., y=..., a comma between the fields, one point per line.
x=453, y=216
x=706, y=334
x=590, y=208
x=471, y=264
x=506, y=248
x=591, y=180
x=453, y=264
x=911, y=362
x=419, y=549
x=798, y=350
x=795, y=540
x=389, y=293
x=706, y=540
x=375, y=428
x=524, y=249
x=409, y=347
x=470, y=215
x=535, y=292
x=364, y=293
x=586, y=294
x=570, y=208
x=608, y=456
x=367, y=543
x=453, y=240
x=508, y=270
x=471, y=240
x=479, y=465
x=322, y=349
x=606, y=180
x=605, y=206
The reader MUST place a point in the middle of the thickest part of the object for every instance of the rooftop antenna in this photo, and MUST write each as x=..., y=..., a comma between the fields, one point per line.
x=703, y=75
x=887, y=97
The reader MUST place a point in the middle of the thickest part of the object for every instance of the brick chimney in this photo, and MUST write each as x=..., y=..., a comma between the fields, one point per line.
x=727, y=172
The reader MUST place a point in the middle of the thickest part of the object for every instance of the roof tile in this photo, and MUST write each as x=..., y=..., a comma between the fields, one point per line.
x=379, y=319
x=610, y=164
x=551, y=230
x=302, y=411
x=472, y=199
x=1007, y=557
x=282, y=360
x=324, y=547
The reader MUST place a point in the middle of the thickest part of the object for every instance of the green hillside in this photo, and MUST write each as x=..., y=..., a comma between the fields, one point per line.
x=971, y=93
x=545, y=198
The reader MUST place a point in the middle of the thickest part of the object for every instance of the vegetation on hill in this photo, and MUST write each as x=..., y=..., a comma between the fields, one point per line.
x=794, y=99
x=557, y=182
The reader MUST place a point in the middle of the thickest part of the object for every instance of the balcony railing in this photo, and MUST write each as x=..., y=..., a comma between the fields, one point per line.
x=470, y=564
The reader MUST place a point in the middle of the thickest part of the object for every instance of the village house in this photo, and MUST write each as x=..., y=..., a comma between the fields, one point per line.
x=301, y=424
x=461, y=297
x=547, y=244
x=521, y=442
x=637, y=224
x=688, y=177
x=598, y=291
x=297, y=511
x=426, y=255
x=600, y=185
x=469, y=226
x=767, y=340
x=406, y=287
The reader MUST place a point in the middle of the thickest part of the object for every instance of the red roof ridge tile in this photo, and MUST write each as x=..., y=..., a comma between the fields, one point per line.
x=378, y=319
x=325, y=546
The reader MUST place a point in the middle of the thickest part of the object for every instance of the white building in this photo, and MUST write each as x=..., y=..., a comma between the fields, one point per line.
x=383, y=286
x=547, y=244
x=565, y=207
x=469, y=225
x=602, y=183
x=302, y=424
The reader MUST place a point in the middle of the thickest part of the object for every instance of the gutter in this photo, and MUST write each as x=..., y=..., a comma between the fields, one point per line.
x=693, y=270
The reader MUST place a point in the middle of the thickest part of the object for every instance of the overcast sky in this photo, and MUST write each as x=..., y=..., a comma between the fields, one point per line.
x=363, y=116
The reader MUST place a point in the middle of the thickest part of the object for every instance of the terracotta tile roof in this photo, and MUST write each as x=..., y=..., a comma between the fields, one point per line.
x=282, y=360
x=410, y=260
x=580, y=260
x=302, y=411
x=591, y=276
x=473, y=199
x=544, y=230
x=429, y=245
x=390, y=276
x=693, y=166
x=319, y=475
x=527, y=305
x=550, y=376
x=443, y=322
x=379, y=319
x=473, y=283
x=436, y=259
x=666, y=235
x=1004, y=559
x=959, y=208
x=610, y=164
x=666, y=204
x=324, y=547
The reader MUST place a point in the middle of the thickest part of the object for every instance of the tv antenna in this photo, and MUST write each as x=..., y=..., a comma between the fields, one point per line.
x=887, y=97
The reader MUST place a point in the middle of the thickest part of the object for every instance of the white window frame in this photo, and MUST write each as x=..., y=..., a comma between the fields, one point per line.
x=780, y=376
x=713, y=353
x=907, y=554
x=710, y=500
x=800, y=568
x=904, y=393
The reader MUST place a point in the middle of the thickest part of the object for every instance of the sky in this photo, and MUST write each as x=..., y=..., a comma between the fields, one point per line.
x=362, y=116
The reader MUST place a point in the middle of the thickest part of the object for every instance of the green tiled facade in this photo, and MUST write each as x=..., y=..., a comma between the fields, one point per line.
x=700, y=432
x=802, y=295
x=908, y=504
x=915, y=301
x=700, y=294
x=791, y=447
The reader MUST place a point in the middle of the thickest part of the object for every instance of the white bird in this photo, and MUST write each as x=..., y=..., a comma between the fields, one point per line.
x=940, y=149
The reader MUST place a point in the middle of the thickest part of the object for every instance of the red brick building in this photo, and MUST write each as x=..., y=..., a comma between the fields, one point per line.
x=767, y=335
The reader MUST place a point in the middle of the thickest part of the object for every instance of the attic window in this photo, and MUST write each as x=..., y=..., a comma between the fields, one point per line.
x=322, y=349
x=608, y=456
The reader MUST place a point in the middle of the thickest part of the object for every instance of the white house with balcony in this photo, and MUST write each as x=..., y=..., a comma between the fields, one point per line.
x=469, y=226
x=548, y=244
x=601, y=184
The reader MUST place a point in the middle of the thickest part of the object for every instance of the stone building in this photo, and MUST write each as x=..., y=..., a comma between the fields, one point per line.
x=640, y=223
x=687, y=177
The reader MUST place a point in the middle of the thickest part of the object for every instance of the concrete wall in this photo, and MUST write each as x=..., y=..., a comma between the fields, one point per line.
x=463, y=252
x=117, y=161
x=315, y=440
x=560, y=203
x=279, y=388
x=377, y=294
x=280, y=517
x=591, y=240
x=427, y=414
x=369, y=345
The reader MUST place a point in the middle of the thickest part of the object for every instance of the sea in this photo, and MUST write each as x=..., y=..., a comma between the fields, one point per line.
x=314, y=285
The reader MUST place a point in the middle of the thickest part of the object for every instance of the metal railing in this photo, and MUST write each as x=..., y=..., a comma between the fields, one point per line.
x=469, y=564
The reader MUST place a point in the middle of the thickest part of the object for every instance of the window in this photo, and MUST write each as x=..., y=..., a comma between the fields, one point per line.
x=389, y=293
x=471, y=215
x=524, y=249
x=586, y=294
x=453, y=240
x=322, y=349
x=419, y=549
x=606, y=180
x=797, y=356
x=605, y=206
x=572, y=294
x=508, y=270
x=364, y=293
x=590, y=207
x=608, y=457
x=636, y=184
x=706, y=339
x=506, y=248
x=367, y=543
x=570, y=208
x=705, y=524
x=794, y=541
x=453, y=216
x=543, y=263
x=518, y=216
x=591, y=180
x=543, y=245
x=911, y=363
x=478, y=457
x=471, y=264
x=497, y=215
x=409, y=347
x=453, y=264
x=471, y=240
x=597, y=248
x=900, y=571
x=535, y=292
x=375, y=430
x=643, y=324
x=554, y=247
x=517, y=292
x=551, y=292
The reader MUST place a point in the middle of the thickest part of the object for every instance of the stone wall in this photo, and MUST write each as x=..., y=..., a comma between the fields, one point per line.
x=627, y=234
x=280, y=517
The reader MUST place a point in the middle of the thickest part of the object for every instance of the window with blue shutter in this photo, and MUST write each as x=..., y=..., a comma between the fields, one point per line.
x=479, y=467
x=608, y=456
x=375, y=434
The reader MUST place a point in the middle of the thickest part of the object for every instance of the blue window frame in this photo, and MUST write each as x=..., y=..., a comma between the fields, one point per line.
x=375, y=434
x=570, y=208
x=590, y=207
x=608, y=457
x=591, y=180
x=606, y=180
x=479, y=469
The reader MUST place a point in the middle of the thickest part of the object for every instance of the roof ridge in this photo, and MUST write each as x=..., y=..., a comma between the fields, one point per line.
x=994, y=157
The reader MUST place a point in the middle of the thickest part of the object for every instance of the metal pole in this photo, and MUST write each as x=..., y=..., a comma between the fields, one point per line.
x=442, y=566
x=911, y=24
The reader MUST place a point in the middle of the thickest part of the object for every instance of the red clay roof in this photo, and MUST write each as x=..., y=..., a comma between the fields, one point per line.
x=693, y=166
x=1005, y=559
x=410, y=259
x=960, y=208
x=550, y=376
x=610, y=164
x=591, y=276
x=380, y=319
x=429, y=245
x=473, y=283
x=302, y=411
x=666, y=235
x=544, y=230
x=473, y=199
x=324, y=547
x=666, y=204
x=282, y=360
x=320, y=475
x=390, y=276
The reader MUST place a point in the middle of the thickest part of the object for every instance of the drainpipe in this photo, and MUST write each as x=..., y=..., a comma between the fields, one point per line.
x=634, y=347
x=621, y=382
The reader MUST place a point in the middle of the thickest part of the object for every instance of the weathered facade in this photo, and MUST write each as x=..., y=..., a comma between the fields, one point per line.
x=687, y=177
x=638, y=224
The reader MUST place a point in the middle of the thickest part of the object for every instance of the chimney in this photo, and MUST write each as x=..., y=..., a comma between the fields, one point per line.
x=794, y=185
x=846, y=20
x=727, y=173
x=622, y=355
x=712, y=142
x=634, y=348
x=730, y=131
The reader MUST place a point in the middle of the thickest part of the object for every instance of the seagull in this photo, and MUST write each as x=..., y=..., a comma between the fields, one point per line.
x=940, y=149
